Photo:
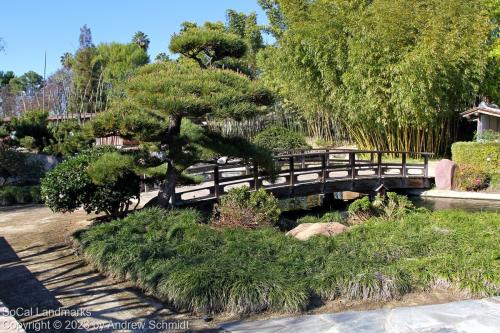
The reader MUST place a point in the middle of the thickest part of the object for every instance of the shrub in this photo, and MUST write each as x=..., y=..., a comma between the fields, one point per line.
x=242, y=208
x=487, y=136
x=470, y=177
x=18, y=168
x=34, y=124
x=280, y=138
x=28, y=142
x=100, y=180
x=360, y=210
x=7, y=196
x=69, y=139
x=11, y=195
x=485, y=156
x=173, y=256
x=390, y=207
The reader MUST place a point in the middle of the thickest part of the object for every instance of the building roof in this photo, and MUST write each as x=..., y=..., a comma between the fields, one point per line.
x=475, y=111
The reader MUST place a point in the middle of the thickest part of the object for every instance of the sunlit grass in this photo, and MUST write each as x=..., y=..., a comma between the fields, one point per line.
x=174, y=257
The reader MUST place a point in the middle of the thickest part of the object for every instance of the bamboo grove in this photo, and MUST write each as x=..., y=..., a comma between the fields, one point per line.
x=394, y=74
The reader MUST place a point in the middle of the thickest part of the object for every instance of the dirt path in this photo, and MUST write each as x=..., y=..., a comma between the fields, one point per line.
x=40, y=274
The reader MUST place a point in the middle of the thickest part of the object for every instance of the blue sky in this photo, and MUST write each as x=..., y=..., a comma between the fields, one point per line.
x=29, y=28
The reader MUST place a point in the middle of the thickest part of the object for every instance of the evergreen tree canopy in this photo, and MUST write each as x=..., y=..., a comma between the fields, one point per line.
x=165, y=101
x=207, y=44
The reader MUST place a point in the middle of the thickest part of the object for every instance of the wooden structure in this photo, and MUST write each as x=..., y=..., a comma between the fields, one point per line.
x=311, y=172
x=487, y=117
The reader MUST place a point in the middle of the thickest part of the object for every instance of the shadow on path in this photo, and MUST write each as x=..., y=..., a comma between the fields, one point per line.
x=35, y=307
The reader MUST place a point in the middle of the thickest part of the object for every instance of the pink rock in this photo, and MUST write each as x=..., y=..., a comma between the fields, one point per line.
x=444, y=172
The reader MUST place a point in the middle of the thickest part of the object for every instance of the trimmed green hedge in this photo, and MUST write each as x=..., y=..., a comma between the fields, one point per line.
x=477, y=154
x=13, y=195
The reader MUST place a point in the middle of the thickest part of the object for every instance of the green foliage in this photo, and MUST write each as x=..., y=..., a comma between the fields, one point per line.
x=28, y=83
x=69, y=139
x=110, y=168
x=361, y=209
x=393, y=73
x=242, y=208
x=88, y=93
x=18, y=168
x=207, y=44
x=28, y=142
x=118, y=61
x=141, y=40
x=487, y=136
x=325, y=218
x=484, y=155
x=471, y=178
x=33, y=123
x=175, y=257
x=12, y=195
x=98, y=179
x=390, y=207
x=5, y=77
x=280, y=138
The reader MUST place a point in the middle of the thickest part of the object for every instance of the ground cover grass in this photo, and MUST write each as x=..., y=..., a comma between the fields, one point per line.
x=175, y=257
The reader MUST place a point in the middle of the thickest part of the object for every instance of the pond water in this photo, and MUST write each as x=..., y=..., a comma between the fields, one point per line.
x=449, y=203
x=429, y=203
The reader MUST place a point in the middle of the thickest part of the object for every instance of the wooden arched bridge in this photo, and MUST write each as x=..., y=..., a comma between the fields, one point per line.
x=317, y=171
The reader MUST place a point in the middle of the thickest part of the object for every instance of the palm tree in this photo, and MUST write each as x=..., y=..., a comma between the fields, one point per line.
x=141, y=39
x=66, y=60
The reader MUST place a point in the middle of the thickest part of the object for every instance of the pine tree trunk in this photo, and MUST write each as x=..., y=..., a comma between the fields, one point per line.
x=167, y=188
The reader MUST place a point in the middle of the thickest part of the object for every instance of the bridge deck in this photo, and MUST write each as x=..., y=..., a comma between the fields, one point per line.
x=311, y=172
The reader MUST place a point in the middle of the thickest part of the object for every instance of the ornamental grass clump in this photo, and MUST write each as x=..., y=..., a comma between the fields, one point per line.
x=245, y=209
x=175, y=256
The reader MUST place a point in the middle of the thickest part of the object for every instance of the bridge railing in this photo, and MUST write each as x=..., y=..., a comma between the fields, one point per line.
x=311, y=166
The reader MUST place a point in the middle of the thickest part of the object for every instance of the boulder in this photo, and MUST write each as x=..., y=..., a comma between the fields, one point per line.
x=305, y=231
x=444, y=172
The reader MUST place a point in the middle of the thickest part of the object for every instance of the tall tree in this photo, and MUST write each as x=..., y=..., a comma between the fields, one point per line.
x=246, y=27
x=208, y=44
x=85, y=38
x=87, y=93
x=120, y=60
x=395, y=73
x=29, y=83
x=141, y=39
x=67, y=60
x=5, y=77
x=165, y=101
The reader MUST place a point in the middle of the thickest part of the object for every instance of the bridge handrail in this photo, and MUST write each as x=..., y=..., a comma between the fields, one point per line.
x=296, y=168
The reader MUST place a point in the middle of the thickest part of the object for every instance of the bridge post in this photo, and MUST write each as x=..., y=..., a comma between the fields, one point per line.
x=323, y=171
x=303, y=160
x=379, y=165
x=256, y=184
x=328, y=157
x=216, y=181
x=352, y=163
x=292, y=173
x=426, y=165
x=403, y=164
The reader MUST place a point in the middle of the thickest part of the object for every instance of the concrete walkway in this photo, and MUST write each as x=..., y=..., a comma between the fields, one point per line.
x=47, y=284
x=460, y=195
x=474, y=316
